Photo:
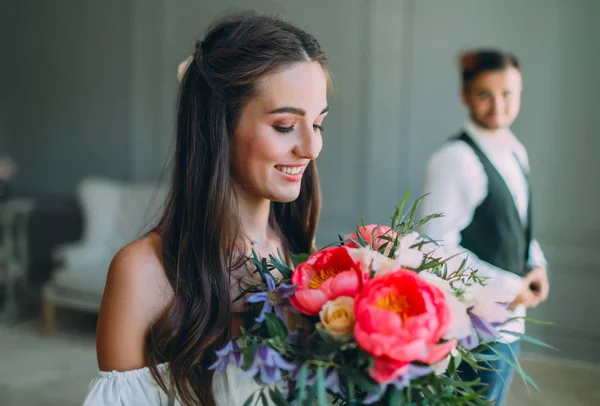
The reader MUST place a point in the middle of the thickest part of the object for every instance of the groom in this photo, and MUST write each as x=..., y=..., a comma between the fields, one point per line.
x=479, y=180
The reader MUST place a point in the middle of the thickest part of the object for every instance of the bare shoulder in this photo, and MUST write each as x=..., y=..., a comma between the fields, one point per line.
x=137, y=293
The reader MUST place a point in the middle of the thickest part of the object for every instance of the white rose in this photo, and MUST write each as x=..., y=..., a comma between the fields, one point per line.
x=370, y=259
x=442, y=366
x=407, y=256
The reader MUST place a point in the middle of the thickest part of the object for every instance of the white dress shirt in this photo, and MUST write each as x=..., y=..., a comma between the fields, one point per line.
x=457, y=183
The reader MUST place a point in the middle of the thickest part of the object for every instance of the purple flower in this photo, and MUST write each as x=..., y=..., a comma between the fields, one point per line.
x=230, y=354
x=487, y=331
x=268, y=364
x=275, y=298
x=414, y=372
x=332, y=381
x=470, y=342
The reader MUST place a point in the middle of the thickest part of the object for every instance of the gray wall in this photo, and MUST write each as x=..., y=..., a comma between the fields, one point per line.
x=90, y=91
x=71, y=104
x=7, y=44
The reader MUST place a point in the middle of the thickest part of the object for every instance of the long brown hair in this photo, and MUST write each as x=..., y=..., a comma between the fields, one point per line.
x=200, y=224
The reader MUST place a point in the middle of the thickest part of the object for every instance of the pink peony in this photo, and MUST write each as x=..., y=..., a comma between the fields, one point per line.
x=401, y=318
x=372, y=234
x=327, y=275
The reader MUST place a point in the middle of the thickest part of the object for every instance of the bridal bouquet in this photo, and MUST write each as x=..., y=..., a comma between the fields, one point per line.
x=380, y=317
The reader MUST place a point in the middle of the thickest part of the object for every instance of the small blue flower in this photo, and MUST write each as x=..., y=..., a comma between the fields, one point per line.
x=268, y=365
x=275, y=298
x=230, y=354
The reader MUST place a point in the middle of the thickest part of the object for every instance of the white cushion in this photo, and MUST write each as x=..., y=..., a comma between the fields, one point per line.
x=114, y=214
x=90, y=279
x=140, y=207
x=99, y=200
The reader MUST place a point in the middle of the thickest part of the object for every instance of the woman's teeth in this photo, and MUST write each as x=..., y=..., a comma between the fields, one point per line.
x=290, y=170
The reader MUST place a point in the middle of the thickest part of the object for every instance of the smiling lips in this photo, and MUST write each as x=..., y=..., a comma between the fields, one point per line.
x=292, y=173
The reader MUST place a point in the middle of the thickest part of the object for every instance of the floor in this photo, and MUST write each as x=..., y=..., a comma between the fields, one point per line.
x=55, y=371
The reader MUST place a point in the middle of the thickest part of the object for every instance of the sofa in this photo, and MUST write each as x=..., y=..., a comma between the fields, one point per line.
x=114, y=213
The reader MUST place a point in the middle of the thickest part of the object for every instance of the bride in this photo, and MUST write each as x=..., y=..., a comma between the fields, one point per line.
x=249, y=120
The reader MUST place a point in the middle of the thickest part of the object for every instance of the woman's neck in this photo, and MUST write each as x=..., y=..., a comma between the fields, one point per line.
x=254, y=217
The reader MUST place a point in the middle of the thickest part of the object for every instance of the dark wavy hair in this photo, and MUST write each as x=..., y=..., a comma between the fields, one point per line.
x=200, y=223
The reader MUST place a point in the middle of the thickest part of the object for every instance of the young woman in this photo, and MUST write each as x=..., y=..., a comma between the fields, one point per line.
x=249, y=121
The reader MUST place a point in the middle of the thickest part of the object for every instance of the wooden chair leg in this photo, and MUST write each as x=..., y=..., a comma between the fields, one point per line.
x=49, y=314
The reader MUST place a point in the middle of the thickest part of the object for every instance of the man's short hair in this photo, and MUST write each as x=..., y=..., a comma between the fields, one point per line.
x=475, y=62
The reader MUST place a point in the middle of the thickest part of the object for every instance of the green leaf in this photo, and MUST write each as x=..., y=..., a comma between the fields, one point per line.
x=413, y=211
x=361, y=239
x=277, y=397
x=427, y=219
x=396, y=397
x=275, y=326
x=529, y=339
x=322, y=394
x=359, y=379
x=457, y=360
x=516, y=366
x=311, y=395
x=284, y=269
x=534, y=321
x=399, y=210
x=302, y=376
x=249, y=354
x=263, y=399
x=298, y=259
x=249, y=401
x=486, y=357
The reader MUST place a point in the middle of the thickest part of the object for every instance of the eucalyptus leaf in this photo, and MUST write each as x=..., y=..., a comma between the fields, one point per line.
x=302, y=376
x=322, y=393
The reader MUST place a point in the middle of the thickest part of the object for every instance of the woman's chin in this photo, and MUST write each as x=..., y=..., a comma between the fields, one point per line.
x=285, y=196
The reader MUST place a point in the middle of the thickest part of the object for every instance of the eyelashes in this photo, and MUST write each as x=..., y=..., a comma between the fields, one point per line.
x=284, y=130
x=287, y=130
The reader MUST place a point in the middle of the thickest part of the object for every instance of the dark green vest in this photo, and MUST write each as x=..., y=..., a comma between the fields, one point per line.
x=496, y=233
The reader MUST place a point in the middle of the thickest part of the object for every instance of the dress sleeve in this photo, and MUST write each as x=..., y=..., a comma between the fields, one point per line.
x=130, y=388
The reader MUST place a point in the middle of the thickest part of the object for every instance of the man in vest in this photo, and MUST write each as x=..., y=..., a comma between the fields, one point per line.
x=479, y=180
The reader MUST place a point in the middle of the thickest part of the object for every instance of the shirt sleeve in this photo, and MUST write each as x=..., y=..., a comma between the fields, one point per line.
x=536, y=255
x=456, y=182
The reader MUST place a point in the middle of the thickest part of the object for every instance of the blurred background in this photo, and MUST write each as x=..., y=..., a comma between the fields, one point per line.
x=87, y=98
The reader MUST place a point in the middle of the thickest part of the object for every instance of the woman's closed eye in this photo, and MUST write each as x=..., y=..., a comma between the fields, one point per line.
x=284, y=129
x=289, y=129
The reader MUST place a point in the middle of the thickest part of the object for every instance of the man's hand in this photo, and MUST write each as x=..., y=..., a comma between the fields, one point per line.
x=538, y=280
x=535, y=289
x=525, y=297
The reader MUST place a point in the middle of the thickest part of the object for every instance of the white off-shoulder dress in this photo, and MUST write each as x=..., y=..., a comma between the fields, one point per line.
x=138, y=388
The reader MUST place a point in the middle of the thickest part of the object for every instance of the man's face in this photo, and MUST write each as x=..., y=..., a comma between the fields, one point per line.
x=494, y=98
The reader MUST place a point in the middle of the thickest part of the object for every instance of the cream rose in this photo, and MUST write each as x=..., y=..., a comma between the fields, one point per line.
x=337, y=317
